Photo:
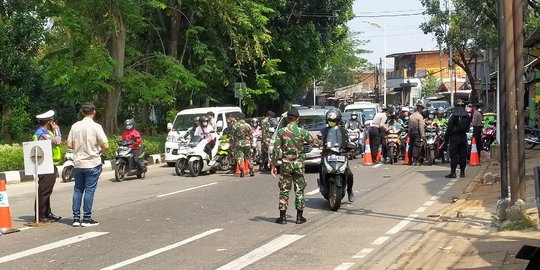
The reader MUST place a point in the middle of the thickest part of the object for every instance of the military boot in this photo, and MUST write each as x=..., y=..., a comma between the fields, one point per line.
x=452, y=174
x=300, y=217
x=462, y=173
x=282, y=219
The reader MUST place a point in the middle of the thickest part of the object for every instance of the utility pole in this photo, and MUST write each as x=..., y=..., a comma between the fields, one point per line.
x=382, y=85
x=502, y=117
x=519, y=132
x=451, y=58
x=384, y=70
x=314, y=94
x=377, y=84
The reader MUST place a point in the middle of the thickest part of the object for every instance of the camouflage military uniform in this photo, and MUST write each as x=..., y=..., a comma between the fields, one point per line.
x=243, y=137
x=289, y=145
x=266, y=136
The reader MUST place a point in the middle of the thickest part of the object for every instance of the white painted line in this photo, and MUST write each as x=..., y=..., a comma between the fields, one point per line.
x=402, y=224
x=420, y=210
x=363, y=253
x=184, y=190
x=262, y=252
x=313, y=192
x=450, y=184
x=376, y=166
x=379, y=241
x=434, y=198
x=161, y=250
x=25, y=228
x=344, y=266
x=61, y=243
x=446, y=188
x=441, y=192
x=454, y=180
x=429, y=203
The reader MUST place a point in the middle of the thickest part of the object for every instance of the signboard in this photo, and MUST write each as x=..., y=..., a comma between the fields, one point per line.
x=40, y=151
x=238, y=89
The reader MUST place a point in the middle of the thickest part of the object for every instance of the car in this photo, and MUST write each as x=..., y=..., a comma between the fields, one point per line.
x=437, y=104
x=368, y=109
x=313, y=120
x=184, y=120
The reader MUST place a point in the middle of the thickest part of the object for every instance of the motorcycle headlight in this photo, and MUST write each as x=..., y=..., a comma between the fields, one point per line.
x=328, y=166
x=343, y=168
x=170, y=138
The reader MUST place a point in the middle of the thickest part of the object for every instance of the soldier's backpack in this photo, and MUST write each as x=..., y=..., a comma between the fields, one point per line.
x=463, y=124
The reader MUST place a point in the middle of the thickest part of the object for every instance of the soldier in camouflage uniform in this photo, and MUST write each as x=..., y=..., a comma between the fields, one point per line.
x=231, y=121
x=266, y=136
x=243, y=137
x=288, y=146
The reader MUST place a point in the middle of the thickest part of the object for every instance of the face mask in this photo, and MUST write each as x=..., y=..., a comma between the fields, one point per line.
x=332, y=124
x=353, y=117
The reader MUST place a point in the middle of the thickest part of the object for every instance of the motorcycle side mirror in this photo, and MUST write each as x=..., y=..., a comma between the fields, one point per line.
x=169, y=126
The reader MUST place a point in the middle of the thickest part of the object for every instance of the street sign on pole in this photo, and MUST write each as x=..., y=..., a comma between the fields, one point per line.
x=37, y=160
x=238, y=86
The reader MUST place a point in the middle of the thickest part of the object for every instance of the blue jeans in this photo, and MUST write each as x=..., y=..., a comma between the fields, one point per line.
x=85, y=183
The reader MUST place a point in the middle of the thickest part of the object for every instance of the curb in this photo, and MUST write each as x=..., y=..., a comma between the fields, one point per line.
x=15, y=177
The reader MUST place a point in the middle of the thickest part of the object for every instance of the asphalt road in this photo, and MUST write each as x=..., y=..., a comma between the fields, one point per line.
x=224, y=222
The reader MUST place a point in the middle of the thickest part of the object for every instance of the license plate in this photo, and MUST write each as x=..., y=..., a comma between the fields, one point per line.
x=336, y=158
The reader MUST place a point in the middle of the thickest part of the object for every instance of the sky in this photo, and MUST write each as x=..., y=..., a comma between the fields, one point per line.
x=402, y=33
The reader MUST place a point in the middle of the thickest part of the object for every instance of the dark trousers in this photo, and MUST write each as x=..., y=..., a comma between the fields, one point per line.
x=136, y=159
x=458, y=152
x=415, y=146
x=374, y=142
x=45, y=188
x=477, y=134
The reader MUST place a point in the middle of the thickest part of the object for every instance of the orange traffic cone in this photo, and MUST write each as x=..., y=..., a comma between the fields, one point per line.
x=367, y=154
x=406, y=161
x=379, y=154
x=246, y=167
x=5, y=216
x=474, y=159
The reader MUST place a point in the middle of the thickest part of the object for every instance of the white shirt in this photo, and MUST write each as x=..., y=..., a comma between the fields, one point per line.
x=204, y=132
x=87, y=136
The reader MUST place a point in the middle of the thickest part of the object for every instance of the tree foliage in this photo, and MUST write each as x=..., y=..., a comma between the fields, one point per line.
x=430, y=84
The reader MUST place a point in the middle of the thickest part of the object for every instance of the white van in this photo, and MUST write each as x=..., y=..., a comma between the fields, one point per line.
x=367, y=108
x=184, y=120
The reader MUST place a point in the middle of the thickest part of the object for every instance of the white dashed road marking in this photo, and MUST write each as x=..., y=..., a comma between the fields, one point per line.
x=161, y=250
x=184, y=190
x=376, y=166
x=363, y=253
x=57, y=244
x=420, y=209
x=344, y=266
x=313, y=192
x=262, y=252
x=402, y=224
x=379, y=241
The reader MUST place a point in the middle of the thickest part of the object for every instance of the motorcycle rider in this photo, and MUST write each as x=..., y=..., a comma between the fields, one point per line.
x=266, y=124
x=206, y=131
x=376, y=129
x=133, y=135
x=333, y=117
x=191, y=130
x=441, y=120
x=417, y=133
x=456, y=139
x=405, y=115
x=355, y=122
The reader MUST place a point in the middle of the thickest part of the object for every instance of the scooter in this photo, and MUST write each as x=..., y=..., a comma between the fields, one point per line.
x=432, y=145
x=393, y=145
x=198, y=160
x=67, y=172
x=182, y=162
x=222, y=160
x=354, y=138
x=125, y=165
x=489, y=135
x=256, y=147
x=333, y=183
x=532, y=137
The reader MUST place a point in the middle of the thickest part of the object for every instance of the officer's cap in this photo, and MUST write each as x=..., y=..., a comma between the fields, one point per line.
x=45, y=116
x=293, y=113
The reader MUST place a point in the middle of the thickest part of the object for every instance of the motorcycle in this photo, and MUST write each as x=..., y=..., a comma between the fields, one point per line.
x=256, y=146
x=444, y=155
x=181, y=164
x=125, y=165
x=393, y=145
x=67, y=172
x=198, y=160
x=333, y=183
x=489, y=135
x=432, y=145
x=469, y=141
x=532, y=137
x=355, y=137
x=222, y=159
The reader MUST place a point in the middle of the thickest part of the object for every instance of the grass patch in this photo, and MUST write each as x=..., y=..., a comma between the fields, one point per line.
x=518, y=225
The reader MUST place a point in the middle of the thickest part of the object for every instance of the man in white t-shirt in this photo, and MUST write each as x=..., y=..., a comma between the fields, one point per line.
x=89, y=142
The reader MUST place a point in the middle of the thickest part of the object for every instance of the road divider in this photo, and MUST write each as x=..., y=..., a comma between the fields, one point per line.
x=184, y=190
x=47, y=247
x=161, y=250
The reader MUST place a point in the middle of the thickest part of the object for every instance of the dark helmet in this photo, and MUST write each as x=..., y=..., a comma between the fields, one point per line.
x=129, y=124
x=333, y=115
x=354, y=115
x=204, y=120
x=460, y=103
x=254, y=122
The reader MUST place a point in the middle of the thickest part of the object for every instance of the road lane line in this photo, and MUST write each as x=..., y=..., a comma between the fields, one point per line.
x=402, y=224
x=446, y=188
x=379, y=241
x=25, y=228
x=184, y=190
x=161, y=250
x=344, y=266
x=420, y=209
x=454, y=180
x=57, y=244
x=363, y=253
x=262, y=252
x=377, y=165
x=313, y=192
x=441, y=192
x=429, y=203
x=434, y=198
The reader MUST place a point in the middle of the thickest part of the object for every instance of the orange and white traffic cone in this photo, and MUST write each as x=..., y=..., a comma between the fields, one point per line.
x=406, y=160
x=474, y=159
x=246, y=166
x=5, y=216
x=367, y=154
x=379, y=154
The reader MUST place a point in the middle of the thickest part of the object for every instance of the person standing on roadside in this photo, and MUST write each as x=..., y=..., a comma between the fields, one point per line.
x=455, y=139
x=266, y=137
x=288, y=147
x=376, y=132
x=477, y=126
x=89, y=142
x=48, y=130
x=243, y=138
x=417, y=133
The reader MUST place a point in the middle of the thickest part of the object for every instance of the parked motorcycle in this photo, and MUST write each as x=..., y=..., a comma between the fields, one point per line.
x=532, y=137
x=393, y=145
x=489, y=135
x=67, y=172
x=198, y=159
x=333, y=183
x=125, y=165
x=182, y=162
x=222, y=159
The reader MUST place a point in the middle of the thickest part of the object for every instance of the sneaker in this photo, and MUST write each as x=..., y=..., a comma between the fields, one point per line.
x=89, y=223
x=76, y=223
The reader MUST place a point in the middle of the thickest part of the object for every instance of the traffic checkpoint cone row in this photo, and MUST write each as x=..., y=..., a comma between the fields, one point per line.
x=246, y=167
x=367, y=154
x=5, y=216
x=474, y=160
x=406, y=160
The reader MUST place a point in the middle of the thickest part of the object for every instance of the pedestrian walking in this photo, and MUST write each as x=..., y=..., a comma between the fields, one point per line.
x=288, y=147
x=477, y=126
x=417, y=134
x=266, y=137
x=455, y=139
x=376, y=132
x=89, y=142
x=243, y=137
x=50, y=131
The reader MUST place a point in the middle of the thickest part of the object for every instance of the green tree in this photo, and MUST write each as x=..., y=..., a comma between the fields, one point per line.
x=430, y=84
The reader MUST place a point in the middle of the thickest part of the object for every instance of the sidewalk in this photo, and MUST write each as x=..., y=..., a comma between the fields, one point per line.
x=464, y=236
